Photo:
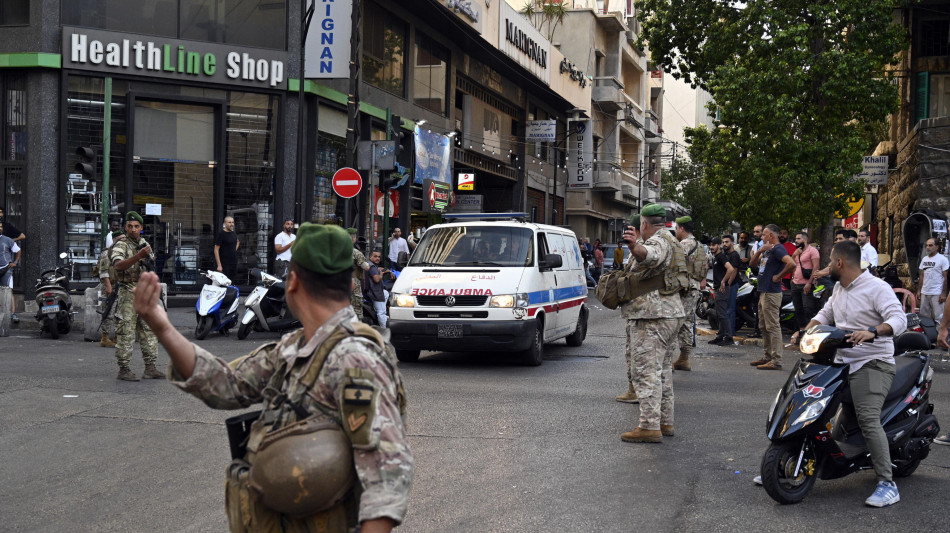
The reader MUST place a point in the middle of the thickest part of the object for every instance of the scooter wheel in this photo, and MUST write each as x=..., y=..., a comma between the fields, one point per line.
x=778, y=472
x=905, y=469
x=244, y=331
x=204, y=327
x=50, y=325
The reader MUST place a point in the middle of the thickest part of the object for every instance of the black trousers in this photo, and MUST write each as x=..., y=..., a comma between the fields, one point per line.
x=806, y=307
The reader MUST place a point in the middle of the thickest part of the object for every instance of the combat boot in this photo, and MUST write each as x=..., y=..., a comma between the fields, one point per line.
x=642, y=435
x=667, y=431
x=126, y=375
x=152, y=373
x=106, y=342
x=683, y=362
x=629, y=397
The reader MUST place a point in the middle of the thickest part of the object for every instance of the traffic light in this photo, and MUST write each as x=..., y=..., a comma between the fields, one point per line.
x=87, y=162
x=395, y=123
x=388, y=182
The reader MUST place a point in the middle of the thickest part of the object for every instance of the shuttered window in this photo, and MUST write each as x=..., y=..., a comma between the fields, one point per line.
x=922, y=100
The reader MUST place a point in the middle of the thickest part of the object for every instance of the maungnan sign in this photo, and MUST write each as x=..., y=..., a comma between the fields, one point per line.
x=123, y=53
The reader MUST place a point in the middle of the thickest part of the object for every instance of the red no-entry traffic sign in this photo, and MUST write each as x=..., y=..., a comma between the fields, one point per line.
x=347, y=182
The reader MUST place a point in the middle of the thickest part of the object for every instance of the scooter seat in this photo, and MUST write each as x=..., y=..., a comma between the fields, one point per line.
x=908, y=369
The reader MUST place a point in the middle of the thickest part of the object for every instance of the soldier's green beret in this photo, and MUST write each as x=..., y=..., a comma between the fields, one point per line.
x=653, y=210
x=352, y=231
x=635, y=220
x=684, y=220
x=132, y=215
x=116, y=233
x=324, y=249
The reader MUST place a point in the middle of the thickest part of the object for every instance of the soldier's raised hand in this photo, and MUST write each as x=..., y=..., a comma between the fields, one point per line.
x=147, y=293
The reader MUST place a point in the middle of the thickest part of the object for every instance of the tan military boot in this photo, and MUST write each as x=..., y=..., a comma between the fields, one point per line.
x=667, y=431
x=106, y=342
x=629, y=397
x=682, y=363
x=152, y=373
x=642, y=435
x=126, y=375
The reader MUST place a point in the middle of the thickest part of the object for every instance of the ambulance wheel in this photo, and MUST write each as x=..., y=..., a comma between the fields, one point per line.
x=580, y=333
x=534, y=355
x=407, y=356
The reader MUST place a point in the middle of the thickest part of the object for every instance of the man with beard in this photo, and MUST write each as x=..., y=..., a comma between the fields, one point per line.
x=770, y=296
x=744, y=249
x=790, y=247
x=865, y=305
x=725, y=270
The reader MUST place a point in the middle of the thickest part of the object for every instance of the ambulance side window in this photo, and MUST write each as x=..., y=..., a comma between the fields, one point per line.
x=557, y=246
x=542, y=246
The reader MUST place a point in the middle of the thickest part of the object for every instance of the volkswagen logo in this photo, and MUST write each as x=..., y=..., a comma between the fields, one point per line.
x=450, y=301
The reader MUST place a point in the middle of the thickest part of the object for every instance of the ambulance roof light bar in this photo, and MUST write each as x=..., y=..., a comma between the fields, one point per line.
x=520, y=217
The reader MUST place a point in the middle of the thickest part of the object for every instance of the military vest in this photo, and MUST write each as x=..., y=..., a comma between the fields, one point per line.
x=122, y=250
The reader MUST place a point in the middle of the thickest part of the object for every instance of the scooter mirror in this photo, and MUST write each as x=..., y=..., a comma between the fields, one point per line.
x=63, y=255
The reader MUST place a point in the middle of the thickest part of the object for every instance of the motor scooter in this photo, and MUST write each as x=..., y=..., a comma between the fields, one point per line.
x=813, y=426
x=54, y=306
x=214, y=299
x=265, y=309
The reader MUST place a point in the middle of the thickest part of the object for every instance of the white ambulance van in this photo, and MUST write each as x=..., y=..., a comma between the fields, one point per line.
x=490, y=282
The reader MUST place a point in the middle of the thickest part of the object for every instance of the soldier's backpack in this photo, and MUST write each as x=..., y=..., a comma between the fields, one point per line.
x=676, y=278
x=697, y=262
x=619, y=287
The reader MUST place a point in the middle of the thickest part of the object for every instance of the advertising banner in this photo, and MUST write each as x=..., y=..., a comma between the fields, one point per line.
x=437, y=196
x=541, y=130
x=328, y=40
x=433, y=157
x=580, y=153
x=466, y=181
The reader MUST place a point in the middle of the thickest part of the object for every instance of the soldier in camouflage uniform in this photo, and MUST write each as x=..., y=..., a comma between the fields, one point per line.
x=360, y=264
x=317, y=285
x=653, y=320
x=127, y=256
x=106, y=273
x=684, y=232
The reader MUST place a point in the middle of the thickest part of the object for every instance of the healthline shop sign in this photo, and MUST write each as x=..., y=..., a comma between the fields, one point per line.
x=124, y=53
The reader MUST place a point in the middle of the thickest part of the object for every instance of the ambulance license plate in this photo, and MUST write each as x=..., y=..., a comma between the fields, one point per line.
x=450, y=331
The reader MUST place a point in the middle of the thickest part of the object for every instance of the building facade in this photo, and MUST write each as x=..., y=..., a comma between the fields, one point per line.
x=188, y=111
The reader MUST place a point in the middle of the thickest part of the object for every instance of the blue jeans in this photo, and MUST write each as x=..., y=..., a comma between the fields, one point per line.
x=726, y=310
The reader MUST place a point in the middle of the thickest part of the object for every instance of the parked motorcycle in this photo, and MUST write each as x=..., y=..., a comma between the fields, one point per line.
x=54, y=306
x=813, y=427
x=214, y=299
x=888, y=272
x=265, y=309
x=747, y=309
x=706, y=303
x=923, y=325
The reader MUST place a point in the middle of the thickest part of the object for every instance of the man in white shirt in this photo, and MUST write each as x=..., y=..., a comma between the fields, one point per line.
x=282, y=243
x=865, y=305
x=868, y=253
x=932, y=284
x=396, y=244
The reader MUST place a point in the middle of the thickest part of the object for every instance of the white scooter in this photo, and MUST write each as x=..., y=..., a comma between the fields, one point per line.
x=212, y=302
x=265, y=308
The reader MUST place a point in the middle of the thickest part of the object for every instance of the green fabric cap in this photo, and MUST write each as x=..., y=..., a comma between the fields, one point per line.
x=684, y=220
x=324, y=249
x=653, y=210
x=352, y=231
x=132, y=215
x=635, y=220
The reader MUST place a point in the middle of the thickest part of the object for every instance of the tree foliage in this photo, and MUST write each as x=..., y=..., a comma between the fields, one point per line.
x=683, y=183
x=545, y=13
x=802, y=88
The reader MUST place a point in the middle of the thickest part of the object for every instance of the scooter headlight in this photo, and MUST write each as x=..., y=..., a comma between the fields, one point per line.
x=404, y=300
x=811, y=342
x=253, y=298
x=812, y=412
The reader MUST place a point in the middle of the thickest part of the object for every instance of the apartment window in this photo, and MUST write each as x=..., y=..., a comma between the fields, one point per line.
x=384, y=49
x=430, y=74
x=14, y=12
x=939, y=96
x=148, y=17
x=934, y=37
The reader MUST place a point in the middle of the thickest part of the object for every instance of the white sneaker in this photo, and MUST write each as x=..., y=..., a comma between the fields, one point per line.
x=885, y=494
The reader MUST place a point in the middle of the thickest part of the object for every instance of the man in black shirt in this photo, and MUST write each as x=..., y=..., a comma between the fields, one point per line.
x=725, y=269
x=226, y=245
x=10, y=230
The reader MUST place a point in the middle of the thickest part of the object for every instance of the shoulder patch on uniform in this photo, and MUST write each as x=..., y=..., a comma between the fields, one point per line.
x=357, y=394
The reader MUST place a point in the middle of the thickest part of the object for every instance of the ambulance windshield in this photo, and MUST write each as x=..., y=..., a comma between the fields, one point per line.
x=462, y=246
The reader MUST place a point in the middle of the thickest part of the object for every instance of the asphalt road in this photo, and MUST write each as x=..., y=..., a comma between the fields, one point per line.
x=498, y=447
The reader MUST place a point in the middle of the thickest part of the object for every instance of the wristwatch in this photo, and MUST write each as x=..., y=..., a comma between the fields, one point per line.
x=873, y=330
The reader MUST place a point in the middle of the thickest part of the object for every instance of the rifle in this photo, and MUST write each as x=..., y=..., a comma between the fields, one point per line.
x=110, y=301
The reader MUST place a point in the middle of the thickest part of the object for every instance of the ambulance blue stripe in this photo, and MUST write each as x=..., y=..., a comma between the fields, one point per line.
x=542, y=297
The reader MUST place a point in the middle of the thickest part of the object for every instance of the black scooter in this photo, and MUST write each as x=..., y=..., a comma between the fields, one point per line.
x=54, y=306
x=813, y=427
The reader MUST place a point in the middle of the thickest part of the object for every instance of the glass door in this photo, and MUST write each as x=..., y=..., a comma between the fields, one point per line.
x=173, y=177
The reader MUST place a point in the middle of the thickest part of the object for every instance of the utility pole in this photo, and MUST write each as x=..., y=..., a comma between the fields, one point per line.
x=353, y=98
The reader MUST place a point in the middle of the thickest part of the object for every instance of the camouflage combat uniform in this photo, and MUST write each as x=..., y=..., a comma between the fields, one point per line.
x=105, y=270
x=360, y=264
x=128, y=323
x=690, y=298
x=653, y=320
x=382, y=457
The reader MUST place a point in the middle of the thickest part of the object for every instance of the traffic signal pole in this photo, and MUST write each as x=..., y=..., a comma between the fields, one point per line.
x=380, y=180
x=106, y=156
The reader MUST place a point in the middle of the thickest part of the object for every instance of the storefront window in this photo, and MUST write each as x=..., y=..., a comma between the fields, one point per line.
x=14, y=12
x=384, y=48
x=148, y=17
x=260, y=23
x=430, y=74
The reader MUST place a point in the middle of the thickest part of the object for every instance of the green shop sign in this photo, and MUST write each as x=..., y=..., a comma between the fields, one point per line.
x=124, y=53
